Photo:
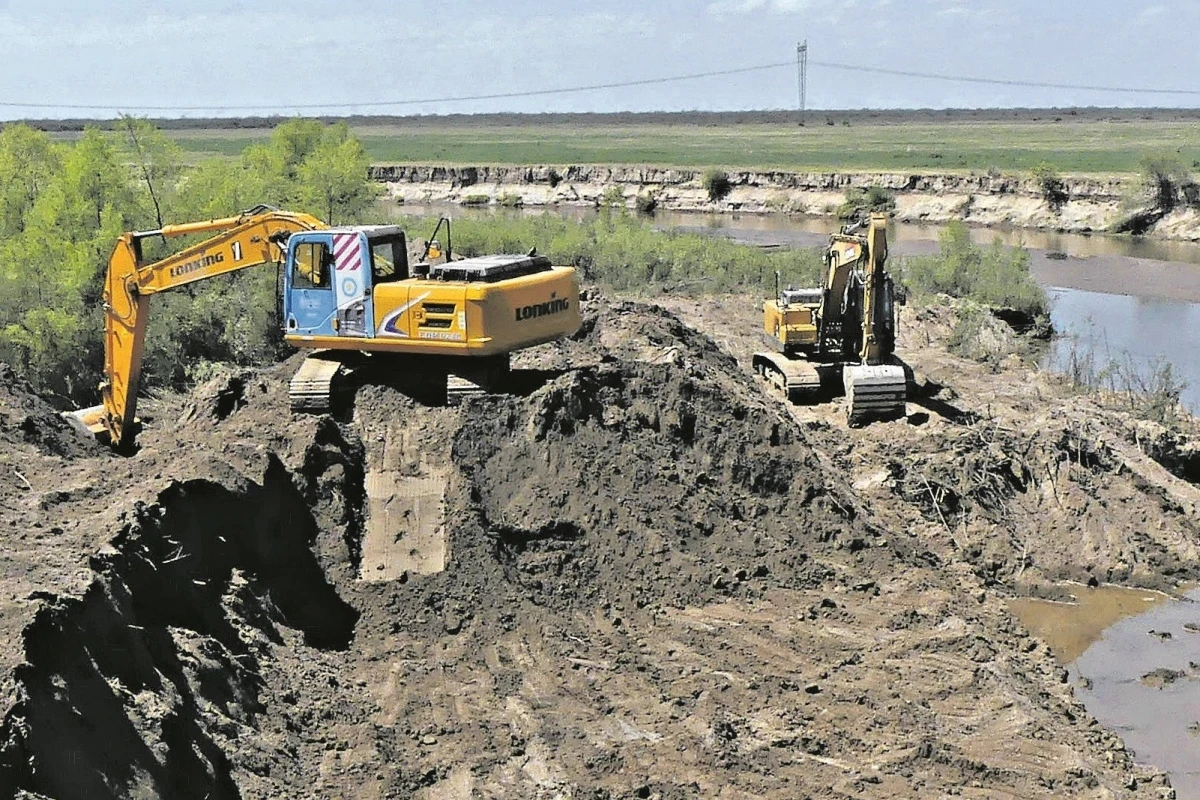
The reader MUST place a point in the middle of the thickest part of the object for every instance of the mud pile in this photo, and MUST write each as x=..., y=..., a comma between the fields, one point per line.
x=638, y=576
x=27, y=418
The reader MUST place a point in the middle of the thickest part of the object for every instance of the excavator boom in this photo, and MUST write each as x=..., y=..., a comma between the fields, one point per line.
x=252, y=239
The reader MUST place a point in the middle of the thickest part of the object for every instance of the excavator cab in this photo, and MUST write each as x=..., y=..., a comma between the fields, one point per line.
x=389, y=257
x=327, y=285
x=330, y=279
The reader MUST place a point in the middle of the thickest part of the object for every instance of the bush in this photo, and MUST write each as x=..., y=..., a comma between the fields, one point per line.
x=613, y=197
x=1164, y=179
x=646, y=203
x=510, y=200
x=1054, y=190
x=475, y=200
x=994, y=276
x=865, y=201
x=980, y=336
x=1158, y=181
x=1148, y=389
x=716, y=182
x=624, y=252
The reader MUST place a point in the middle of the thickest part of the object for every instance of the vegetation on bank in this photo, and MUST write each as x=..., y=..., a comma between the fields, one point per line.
x=860, y=202
x=1147, y=389
x=995, y=276
x=619, y=250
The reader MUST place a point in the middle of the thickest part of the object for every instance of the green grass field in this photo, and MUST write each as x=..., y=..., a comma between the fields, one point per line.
x=1070, y=146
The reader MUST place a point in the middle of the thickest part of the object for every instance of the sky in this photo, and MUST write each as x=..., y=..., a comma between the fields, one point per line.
x=276, y=57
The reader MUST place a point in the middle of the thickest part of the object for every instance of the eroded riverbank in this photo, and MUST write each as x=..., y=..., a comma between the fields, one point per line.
x=1091, y=204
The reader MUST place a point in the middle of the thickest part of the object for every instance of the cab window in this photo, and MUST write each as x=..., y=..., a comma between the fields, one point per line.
x=310, y=268
x=389, y=259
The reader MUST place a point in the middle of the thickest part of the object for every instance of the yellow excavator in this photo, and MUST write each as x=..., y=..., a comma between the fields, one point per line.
x=841, y=335
x=348, y=294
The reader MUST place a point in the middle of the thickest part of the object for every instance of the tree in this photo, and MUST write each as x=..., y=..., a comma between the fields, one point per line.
x=28, y=161
x=157, y=159
x=1163, y=176
x=221, y=188
x=93, y=179
x=333, y=180
x=1054, y=190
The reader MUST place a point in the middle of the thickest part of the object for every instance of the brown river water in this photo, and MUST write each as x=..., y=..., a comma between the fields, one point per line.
x=1134, y=655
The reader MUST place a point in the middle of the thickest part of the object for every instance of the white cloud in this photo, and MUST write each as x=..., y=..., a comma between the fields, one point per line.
x=830, y=10
x=1150, y=14
x=732, y=8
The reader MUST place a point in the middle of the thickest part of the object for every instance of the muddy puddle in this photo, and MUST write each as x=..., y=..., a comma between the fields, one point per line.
x=1070, y=628
x=1134, y=657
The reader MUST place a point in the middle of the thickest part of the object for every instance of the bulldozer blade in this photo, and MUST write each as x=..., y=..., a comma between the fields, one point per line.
x=874, y=392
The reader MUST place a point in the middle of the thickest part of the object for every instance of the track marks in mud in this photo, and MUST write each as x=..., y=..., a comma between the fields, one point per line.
x=650, y=571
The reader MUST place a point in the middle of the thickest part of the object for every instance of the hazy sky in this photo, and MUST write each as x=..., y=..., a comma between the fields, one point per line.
x=274, y=55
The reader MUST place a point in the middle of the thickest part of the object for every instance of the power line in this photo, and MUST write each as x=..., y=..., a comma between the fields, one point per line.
x=1000, y=81
x=380, y=103
x=613, y=85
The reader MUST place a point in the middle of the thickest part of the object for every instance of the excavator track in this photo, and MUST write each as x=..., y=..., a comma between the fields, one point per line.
x=874, y=393
x=482, y=376
x=796, y=379
x=312, y=387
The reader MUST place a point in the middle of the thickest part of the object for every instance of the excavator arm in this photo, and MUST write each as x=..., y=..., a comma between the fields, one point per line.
x=878, y=314
x=252, y=239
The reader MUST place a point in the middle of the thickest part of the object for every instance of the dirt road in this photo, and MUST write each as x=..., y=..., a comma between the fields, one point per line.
x=643, y=576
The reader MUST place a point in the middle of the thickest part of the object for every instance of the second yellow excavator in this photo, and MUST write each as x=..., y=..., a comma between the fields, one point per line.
x=842, y=334
x=348, y=294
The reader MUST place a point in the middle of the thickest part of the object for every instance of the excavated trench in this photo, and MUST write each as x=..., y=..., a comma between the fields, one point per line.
x=617, y=484
x=126, y=688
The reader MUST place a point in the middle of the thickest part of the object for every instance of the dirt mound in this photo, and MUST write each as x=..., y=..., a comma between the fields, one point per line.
x=637, y=484
x=638, y=576
x=27, y=418
x=656, y=474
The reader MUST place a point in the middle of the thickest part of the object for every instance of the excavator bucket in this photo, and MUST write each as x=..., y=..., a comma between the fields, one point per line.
x=89, y=420
x=874, y=392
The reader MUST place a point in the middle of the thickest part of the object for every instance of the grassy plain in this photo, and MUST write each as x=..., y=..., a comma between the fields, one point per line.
x=828, y=142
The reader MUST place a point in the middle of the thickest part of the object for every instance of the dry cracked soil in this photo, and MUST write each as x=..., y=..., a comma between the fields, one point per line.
x=641, y=576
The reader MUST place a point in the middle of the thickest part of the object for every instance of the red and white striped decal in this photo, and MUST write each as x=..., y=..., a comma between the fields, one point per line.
x=347, y=255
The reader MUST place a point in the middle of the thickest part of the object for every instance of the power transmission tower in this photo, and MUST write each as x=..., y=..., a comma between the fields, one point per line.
x=802, y=69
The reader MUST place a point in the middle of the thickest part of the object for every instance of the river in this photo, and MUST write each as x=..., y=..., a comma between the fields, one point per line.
x=1115, y=299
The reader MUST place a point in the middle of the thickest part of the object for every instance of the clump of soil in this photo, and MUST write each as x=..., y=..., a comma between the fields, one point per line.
x=26, y=417
x=1162, y=677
